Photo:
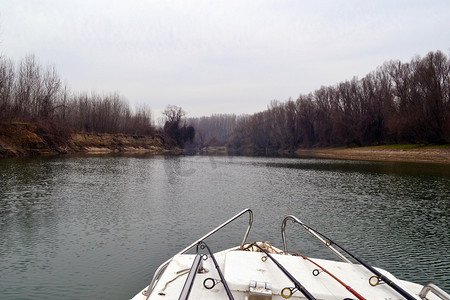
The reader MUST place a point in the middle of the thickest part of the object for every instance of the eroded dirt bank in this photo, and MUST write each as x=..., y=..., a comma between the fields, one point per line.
x=116, y=143
x=23, y=140
x=440, y=155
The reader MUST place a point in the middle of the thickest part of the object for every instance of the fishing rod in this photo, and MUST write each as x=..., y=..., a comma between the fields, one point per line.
x=184, y=295
x=330, y=242
x=202, y=245
x=297, y=284
x=351, y=290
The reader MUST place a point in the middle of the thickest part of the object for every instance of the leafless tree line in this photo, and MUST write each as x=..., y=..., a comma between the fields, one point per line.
x=30, y=92
x=397, y=103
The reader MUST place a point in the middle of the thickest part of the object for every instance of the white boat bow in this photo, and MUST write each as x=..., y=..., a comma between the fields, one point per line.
x=260, y=271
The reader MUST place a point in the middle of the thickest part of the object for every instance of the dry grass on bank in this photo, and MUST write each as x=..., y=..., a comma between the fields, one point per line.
x=394, y=153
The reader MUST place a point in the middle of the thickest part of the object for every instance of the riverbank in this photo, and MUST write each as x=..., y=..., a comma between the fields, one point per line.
x=25, y=140
x=395, y=153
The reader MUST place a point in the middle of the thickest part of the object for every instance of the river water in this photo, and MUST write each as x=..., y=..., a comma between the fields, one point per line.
x=87, y=227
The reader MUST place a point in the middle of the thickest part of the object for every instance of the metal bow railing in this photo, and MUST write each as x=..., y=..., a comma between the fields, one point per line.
x=158, y=272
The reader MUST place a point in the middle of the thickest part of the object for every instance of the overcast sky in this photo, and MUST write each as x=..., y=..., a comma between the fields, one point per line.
x=218, y=56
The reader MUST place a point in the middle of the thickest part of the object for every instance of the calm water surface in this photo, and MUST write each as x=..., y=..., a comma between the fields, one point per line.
x=86, y=227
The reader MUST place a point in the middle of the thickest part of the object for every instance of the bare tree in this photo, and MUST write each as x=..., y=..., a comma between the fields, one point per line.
x=173, y=114
x=7, y=77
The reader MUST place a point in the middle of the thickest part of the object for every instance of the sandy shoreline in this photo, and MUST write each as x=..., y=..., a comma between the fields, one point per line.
x=380, y=153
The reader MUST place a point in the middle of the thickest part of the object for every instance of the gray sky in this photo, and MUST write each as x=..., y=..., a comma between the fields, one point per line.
x=218, y=56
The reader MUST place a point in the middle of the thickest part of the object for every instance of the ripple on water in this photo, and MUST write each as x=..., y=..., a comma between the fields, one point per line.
x=100, y=226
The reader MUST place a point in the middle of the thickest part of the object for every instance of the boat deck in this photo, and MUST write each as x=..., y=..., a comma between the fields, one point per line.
x=241, y=267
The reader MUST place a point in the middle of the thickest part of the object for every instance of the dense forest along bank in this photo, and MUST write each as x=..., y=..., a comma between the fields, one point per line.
x=24, y=139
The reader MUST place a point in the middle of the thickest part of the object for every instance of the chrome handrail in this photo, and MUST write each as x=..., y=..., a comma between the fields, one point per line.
x=435, y=290
x=312, y=232
x=158, y=272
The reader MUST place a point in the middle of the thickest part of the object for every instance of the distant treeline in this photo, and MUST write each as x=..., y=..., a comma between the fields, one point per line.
x=215, y=130
x=30, y=92
x=397, y=103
